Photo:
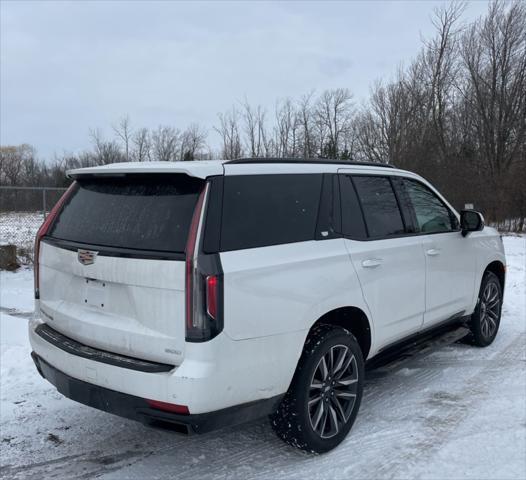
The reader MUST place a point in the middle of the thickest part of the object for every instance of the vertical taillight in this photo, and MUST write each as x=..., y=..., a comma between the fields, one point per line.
x=212, y=297
x=203, y=282
x=192, y=324
x=43, y=230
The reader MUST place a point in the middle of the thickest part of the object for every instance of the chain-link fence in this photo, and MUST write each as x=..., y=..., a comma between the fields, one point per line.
x=22, y=211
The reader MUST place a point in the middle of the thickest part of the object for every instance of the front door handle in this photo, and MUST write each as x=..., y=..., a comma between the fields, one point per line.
x=372, y=263
x=433, y=252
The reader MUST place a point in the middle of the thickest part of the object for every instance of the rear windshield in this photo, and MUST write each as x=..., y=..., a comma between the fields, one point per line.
x=144, y=213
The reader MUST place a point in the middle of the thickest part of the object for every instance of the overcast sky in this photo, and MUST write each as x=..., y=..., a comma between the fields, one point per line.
x=68, y=67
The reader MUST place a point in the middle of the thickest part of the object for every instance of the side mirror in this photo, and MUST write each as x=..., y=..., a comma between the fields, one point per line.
x=471, y=221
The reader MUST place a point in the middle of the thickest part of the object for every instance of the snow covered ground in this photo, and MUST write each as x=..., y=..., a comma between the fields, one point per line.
x=450, y=412
x=20, y=228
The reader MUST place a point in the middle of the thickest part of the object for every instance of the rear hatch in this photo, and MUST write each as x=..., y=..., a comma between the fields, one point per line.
x=112, y=266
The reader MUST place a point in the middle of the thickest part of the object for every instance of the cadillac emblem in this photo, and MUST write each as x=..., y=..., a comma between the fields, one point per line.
x=86, y=257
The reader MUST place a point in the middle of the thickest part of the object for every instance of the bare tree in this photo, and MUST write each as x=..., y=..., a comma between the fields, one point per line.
x=333, y=118
x=31, y=168
x=439, y=61
x=255, y=131
x=306, y=125
x=12, y=162
x=287, y=129
x=383, y=126
x=141, y=140
x=105, y=151
x=166, y=143
x=372, y=146
x=494, y=56
x=124, y=132
x=193, y=142
x=228, y=130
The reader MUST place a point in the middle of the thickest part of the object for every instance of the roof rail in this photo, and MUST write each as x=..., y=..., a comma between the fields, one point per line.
x=306, y=160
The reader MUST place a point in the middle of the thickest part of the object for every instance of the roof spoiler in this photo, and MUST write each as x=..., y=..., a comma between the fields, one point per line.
x=198, y=169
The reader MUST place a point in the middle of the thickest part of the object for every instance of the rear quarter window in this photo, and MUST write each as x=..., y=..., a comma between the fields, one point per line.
x=147, y=212
x=264, y=210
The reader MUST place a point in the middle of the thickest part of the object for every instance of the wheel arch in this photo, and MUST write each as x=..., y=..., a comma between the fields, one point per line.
x=498, y=268
x=353, y=319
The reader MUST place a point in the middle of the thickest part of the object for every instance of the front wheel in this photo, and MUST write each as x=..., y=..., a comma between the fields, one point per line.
x=485, y=320
x=325, y=394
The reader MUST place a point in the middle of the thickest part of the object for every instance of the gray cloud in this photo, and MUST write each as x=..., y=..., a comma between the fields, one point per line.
x=68, y=67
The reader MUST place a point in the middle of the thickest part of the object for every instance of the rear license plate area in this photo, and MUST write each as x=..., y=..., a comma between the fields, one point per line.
x=95, y=293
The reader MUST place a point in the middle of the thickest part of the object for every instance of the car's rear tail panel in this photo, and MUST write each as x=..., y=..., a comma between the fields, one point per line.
x=125, y=305
x=112, y=266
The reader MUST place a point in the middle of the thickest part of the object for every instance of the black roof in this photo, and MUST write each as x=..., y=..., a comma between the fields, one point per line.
x=306, y=160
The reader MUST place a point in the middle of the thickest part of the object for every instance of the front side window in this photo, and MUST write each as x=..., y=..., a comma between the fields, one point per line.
x=380, y=207
x=432, y=215
x=264, y=210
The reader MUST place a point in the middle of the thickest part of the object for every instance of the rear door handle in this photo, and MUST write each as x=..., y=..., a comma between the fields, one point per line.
x=433, y=252
x=372, y=263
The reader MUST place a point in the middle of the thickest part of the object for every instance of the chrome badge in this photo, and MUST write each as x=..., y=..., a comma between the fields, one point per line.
x=86, y=257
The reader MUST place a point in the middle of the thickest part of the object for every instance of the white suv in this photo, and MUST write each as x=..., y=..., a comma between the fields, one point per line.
x=193, y=295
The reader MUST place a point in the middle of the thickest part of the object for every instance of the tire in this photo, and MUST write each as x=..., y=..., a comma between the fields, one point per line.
x=485, y=321
x=324, y=397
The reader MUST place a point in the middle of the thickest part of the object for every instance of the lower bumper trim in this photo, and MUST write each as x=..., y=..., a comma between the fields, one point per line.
x=137, y=408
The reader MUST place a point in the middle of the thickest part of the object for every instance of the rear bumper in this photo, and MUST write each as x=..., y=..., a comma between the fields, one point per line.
x=214, y=375
x=137, y=408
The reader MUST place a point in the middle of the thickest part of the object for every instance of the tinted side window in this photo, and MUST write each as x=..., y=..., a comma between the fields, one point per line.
x=380, y=208
x=352, y=218
x=432, y=216
x=262, y=210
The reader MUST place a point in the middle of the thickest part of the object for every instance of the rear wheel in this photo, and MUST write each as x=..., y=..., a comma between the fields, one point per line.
x=485, y=320
x=325, y=394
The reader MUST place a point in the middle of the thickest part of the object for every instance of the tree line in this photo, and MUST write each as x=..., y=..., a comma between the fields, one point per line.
x=456, y=114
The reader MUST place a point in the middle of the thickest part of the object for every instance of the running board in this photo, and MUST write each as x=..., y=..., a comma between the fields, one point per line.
x=394, y=356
